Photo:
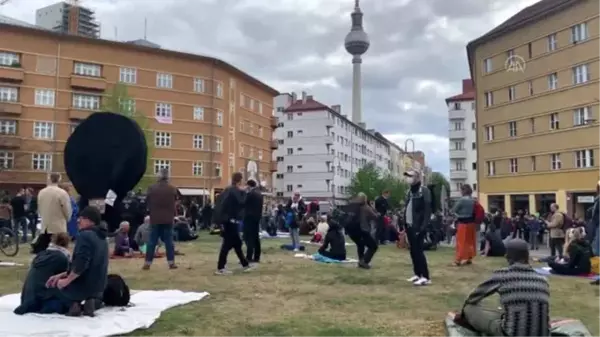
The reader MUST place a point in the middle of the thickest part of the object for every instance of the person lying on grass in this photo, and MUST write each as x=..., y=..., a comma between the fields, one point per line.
x=524, y=295
x=334, y=244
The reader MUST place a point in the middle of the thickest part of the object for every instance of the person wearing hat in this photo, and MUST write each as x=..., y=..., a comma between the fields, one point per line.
x=86, y=279
x=252, y=214
x=524, y=296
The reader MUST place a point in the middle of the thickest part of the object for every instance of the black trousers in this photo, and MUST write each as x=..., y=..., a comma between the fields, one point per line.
x=231, y=240
x=556, y=245
x=252, y=239
x=417, y=254
x=564, y=269
x=380, y=236
x=366, y=246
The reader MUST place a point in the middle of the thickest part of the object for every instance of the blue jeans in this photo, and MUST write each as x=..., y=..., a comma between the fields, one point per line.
x=21, y=223
x=165, y=234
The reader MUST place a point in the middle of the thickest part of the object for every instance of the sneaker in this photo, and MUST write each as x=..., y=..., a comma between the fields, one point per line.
x=413, y=279
x=422, y=282
x=296, y=250
x=364, y=265
x=249, y=268
x=223, y=272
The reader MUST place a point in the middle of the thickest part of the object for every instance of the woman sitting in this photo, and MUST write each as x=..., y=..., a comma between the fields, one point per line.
x=183, y=232
x=321, y=230
x=122, y=246
x=493, y=245
x=334, y=244
x=576, y=259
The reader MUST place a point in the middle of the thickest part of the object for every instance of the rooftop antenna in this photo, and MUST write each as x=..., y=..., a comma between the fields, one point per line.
x=145, y=28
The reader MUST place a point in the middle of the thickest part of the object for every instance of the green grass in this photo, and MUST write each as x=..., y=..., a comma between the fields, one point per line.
x=291, y=296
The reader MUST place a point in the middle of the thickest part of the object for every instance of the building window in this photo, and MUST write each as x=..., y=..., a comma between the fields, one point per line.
x=164, y=110
x=198, y=113
x=458, y=126
x=9, y=59
x=530, y=84
x=290, y=134
x=86, y=102
x=474, y=166
x=220, y=90
x=8, y=127
x=260, y=154
x=44, y=97
x=581, y=74
x=198, y=142
x=164, y=80
x=530, y=50
x=491, y=168
x=489, y=99
x=197, y=168
x=552, y=45
x=220, y=118
x=218, y=170
x=459, y=165
x=87, y=69
x=161, y=165
x=162, y=139
x=9, y=94
x=554, y=123
x=532, y=124
x=579, y=32
x=218, y=144
x=552, y=81
x=555, y=163
x=128, y=75
x=260, y=131
x=289, y=188
x=260, y=108
x=43, y=130
x=489, y=133
x=584, y=158
x=198, y=85
x=473, y=126
x=474, y=146
x=290, y=151
x=459, y=146
x=41, y=162
x=512, y=129
x=533, y=163
x=487, y=65
x=456, y=106
x=513, y=165
x=289, y=169
x=7, y=160
x=581, y=116
x=512, y=93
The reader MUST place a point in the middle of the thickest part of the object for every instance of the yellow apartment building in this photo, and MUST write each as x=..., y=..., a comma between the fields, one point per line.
x=208, y=118
x=537, y=94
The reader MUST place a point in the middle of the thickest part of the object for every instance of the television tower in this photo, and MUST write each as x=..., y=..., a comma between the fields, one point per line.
x=356, y=43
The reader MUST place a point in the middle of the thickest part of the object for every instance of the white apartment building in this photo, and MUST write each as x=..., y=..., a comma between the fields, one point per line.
x=462, y=137
x=319, y=149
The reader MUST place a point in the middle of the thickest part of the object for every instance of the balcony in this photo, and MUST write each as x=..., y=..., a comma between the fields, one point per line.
x=457, y=114
x=11, y=108
x=88, y=83
x=274, y=144
x=79, y=114
x=329, y=123
x=12, y=74
x=457, y=134
x=273, y=166
x=458, y=154
x=274, y=122
x=458, y=174
x=329, y=140
x=9, y=141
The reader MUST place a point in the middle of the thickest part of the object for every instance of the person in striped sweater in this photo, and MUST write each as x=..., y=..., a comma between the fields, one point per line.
x=524, y=295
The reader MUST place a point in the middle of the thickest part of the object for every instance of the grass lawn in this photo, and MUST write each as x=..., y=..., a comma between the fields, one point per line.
x=292, y=296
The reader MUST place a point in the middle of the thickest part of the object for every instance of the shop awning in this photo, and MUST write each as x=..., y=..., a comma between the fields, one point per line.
x=193, y=191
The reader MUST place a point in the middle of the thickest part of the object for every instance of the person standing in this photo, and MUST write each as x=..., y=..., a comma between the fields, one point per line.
x=161, y=199
x=359, y=229
x=416, y=217
x=228, y=213
x=19, y=216
x=381, y=206
x=207, y=213
x=54, y=206
x=252, y=216
x=557, y=234
x=31, y=210
x=464, y=210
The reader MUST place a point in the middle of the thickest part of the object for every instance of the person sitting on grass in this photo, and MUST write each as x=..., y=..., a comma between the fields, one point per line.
x=576, y=256
x=321, y=230
x=122, y=246
x=524, y=295
x=51, y=261
x=183, y=232
x=334, y=244
x=493, y=245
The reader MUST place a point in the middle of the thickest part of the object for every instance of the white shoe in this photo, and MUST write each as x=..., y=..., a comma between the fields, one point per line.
x=413, y=279
x=296, y=250
x=223, y=272
x=422, y=282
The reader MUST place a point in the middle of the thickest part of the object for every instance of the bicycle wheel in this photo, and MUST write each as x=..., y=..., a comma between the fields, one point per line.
x=9, y=242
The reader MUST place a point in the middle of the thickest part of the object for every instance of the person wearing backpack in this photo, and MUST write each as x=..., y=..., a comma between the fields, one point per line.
x=557, y=233
x=464, y=210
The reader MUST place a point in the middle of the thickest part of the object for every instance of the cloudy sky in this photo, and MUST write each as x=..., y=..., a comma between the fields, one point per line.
x=417, y=56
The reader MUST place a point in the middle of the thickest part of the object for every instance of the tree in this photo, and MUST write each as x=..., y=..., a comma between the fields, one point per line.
x=371, y=181
x=438, y=180
x=119, y=101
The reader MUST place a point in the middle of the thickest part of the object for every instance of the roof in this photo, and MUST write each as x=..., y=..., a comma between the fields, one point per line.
x=215, y=61
x=527, y=16
x=10, y=21
x=466, y=96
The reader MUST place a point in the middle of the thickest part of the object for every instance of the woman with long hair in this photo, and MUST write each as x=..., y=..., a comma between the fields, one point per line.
x=464, y=210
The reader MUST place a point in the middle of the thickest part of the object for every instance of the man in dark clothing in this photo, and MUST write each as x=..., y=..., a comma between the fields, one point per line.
x=194, y=210
x=252, y=215
x=228, y=213
x=31, y=211
x=207, y=213
x=131, y=209
x=416, y=216
x=334, y=244
x=382, y=206
x=360, y=214
x=19, y=215
x=493, y=245
x=86, y=279
x=161, y=199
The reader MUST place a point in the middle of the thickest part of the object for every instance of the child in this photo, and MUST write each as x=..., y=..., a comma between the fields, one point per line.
x=334, y=244
x=321, y=231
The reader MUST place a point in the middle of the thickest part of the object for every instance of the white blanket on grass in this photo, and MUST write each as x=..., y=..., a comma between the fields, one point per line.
x=147, y=307
x=280, y=235
x=319, y=244
x=10, y=264
x=310, y=257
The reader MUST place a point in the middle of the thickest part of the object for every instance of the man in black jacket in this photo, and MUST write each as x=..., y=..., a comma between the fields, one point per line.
x=252, y=215
x=382, y=206
x=416, y=216
x=228, y=213
x=20, y=216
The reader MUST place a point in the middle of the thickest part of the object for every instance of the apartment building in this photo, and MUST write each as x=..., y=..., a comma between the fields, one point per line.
x=462, y=136
x=536, y=80
x=208, y=118
x=320, y=149
x=66, y=18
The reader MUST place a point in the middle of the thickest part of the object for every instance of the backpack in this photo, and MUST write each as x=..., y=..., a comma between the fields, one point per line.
x=567, y=222
x=218, y=217
x=478, y=213
x=116, y=293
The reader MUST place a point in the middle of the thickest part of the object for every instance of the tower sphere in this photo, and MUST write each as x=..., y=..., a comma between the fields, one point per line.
x=357, y=42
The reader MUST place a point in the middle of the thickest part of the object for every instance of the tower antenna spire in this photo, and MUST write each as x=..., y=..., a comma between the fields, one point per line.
x=356, y=43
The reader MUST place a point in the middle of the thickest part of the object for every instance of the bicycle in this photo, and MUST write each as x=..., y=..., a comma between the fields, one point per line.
x=9, y=242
